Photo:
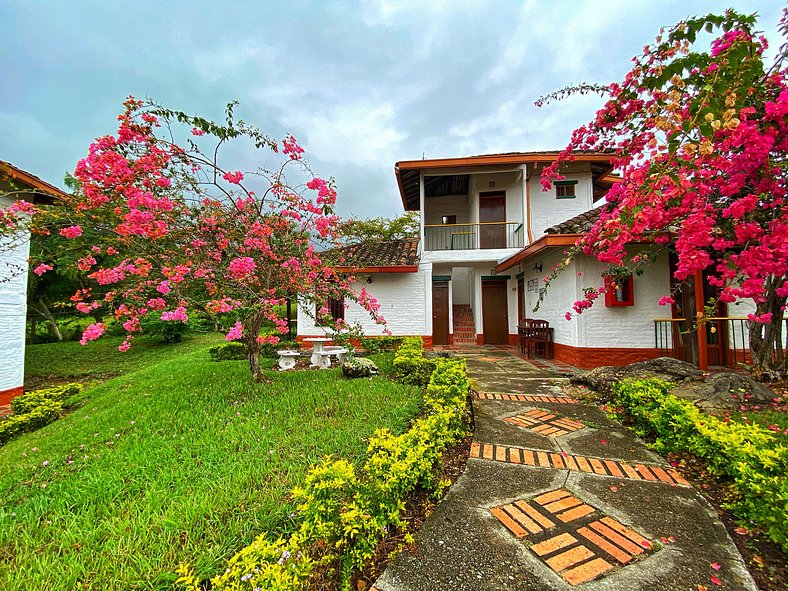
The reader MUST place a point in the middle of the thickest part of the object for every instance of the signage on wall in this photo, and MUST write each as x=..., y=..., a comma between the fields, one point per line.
x=532, y=283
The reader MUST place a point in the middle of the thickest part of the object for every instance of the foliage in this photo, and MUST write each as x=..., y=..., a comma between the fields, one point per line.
x=410, y=365
x=359, y=367
x=29, y=400
x=378, y=344
x=270, y=349
x=344, y=513
x=35, y=409
x=182, y=456
x=701, y=140
x=167, y=332
x=159, y=226
x=374, y=229
x=750, y=455
x=228, y=352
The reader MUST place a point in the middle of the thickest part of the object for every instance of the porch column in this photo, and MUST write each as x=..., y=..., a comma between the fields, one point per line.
x=703, y=352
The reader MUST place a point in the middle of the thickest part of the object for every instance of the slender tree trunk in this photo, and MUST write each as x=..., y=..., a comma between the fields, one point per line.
x=252, y=330
x=42, y=309
x=769, y=358
x=33, y=323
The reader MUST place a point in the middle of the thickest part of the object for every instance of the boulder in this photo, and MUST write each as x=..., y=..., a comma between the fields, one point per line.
x=719, y=390
x=359, y=367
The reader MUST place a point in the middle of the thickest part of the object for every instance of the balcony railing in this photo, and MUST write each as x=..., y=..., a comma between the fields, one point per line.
x=484, y=235
x=727, y=338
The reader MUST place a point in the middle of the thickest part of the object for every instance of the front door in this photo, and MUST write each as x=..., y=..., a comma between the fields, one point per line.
x=440, y=313
x=495, y=314
x=492, y=217
x=520, y=300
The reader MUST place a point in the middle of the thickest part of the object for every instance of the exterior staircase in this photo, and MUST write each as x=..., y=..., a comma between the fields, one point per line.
x=464, y=328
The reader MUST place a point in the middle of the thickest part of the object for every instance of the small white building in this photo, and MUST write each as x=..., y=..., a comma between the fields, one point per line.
x=489, y=235
x=16, y=184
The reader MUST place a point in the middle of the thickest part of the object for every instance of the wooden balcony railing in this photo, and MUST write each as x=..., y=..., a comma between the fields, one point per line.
x=728, y=339
x=484, y=235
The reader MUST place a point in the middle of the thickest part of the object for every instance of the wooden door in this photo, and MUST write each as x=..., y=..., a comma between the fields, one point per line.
x=716, y=330
x=440, y=313
x=492, y=216
x=520, y=300
x=495, y=314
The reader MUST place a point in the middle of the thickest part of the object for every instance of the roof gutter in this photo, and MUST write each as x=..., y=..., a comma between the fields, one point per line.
x=399, y=269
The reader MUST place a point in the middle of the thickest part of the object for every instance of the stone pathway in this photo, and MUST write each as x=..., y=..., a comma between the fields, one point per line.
x=556, y=496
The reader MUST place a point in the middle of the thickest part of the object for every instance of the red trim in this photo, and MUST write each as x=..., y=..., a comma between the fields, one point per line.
x=514, y=340
x=590, y=357
x=400, y=269
x=7, y=395
x=627, y=290
x=493, y=159
x=31, y=180
x=480, y=339
x=427, y=340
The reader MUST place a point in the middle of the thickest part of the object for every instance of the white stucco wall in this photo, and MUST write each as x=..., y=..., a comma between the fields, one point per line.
x=13, y=310
x=598, y=326
x=403, y=301
x=547, y=210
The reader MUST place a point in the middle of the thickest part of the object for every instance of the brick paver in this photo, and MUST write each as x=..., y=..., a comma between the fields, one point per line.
x=581, y=545
x=576, y=463
x=544, y=423
x=523, y=397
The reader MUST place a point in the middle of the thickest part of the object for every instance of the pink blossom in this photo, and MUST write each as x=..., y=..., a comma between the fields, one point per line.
x=242, y=266
x=761, y=318
x=124, y=346
x=236, y=333
x=163, y=288
x=91, y=333
x=42, y=268
x=71, y=232
x=197, y=131
x=233, y=177
x=666, y=301
x=178, y=314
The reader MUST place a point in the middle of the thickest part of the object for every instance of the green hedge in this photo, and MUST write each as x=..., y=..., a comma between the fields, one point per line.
x=235, y=351
x=35, y=409
x=343, y=513
x=748, y=454
x=410, y=365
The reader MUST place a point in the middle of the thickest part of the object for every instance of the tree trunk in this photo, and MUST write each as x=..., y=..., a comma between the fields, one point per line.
x=769, y=360
x=251, y=332
x=42, y=309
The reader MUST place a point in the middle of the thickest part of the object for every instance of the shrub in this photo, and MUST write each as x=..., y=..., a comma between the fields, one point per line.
x=269, y=350
x=232, y=351
x=410, y=365
x=30, y=400
x=358, y=367
x=43, y=414
x=167, y=331
x=748, y=454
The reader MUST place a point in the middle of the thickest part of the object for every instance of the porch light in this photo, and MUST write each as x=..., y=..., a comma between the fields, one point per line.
x=537, y=268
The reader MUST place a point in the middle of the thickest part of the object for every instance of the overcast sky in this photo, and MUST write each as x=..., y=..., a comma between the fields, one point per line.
x=361, y=85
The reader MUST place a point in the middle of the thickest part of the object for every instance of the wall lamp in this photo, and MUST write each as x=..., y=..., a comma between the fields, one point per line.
x=537, y=268
x=369, y=280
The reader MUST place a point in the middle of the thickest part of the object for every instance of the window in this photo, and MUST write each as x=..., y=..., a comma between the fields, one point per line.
x=336, y=308
x=619, y=292
x=449, y=219
x=565, y=189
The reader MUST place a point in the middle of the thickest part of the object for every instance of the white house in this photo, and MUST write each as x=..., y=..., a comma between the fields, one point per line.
x=16, y=184
x=489, y=235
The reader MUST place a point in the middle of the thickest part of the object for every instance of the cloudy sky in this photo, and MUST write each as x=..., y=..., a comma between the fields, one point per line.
x=360, y=84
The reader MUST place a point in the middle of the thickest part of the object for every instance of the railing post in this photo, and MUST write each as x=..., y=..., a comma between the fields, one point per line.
x=700, y=324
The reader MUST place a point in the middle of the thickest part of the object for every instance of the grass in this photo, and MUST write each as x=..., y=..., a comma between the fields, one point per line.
x=181, y=459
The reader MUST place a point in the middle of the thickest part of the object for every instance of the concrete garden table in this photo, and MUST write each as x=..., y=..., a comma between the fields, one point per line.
x=319, y=356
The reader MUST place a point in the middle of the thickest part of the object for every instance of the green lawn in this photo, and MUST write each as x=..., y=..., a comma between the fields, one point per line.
x=182, y=459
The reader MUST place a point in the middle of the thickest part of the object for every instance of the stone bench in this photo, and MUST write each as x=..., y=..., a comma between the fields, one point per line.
x=339, y=352
x=287, y=359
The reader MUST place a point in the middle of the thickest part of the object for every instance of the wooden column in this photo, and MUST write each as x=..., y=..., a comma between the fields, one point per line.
x=703, y=351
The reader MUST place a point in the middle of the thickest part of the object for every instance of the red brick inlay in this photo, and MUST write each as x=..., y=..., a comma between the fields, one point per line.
x=524, y=398
x=545, y=423
x=575, y=463
x=581, y=545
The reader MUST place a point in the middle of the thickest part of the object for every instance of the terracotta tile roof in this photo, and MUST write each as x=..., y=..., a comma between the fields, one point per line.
x=580, y=224
x=44, y=189
x=385, y=253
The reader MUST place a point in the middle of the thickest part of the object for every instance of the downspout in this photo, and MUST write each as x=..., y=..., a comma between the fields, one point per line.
x=526, y=178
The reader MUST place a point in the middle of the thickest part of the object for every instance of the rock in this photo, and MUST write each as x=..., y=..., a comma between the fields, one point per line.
x=720, y=390
x=661, y=368
x=359, y=367
x=724, y=390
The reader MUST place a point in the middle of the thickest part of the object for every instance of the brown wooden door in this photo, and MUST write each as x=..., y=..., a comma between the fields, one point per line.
x=520, y=299
x=495, y=314
x=492, y=208
x=440, y=313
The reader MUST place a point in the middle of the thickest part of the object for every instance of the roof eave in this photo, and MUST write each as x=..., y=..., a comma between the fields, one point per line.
x=545, y=242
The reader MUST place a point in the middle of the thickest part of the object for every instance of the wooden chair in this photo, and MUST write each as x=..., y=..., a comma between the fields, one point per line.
x=536, y=338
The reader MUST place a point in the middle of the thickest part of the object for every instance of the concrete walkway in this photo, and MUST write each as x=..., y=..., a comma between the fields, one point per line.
x=556, y=496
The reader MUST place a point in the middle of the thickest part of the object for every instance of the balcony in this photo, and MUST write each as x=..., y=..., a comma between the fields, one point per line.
x=481, y=236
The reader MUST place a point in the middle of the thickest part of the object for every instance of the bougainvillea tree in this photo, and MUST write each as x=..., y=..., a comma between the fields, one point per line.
x=162, y=227
x=699, y=134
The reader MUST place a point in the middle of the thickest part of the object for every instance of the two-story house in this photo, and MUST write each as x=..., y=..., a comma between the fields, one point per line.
x=489, y=235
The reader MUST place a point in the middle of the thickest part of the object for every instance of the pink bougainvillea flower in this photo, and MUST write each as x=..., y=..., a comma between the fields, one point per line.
x=716, y=580
x=91, y=333
x=715, y=565
x=666, y=301
x=42, y=268
x=71, y=232
x=241, y=267
x=197, y=131
x=123, y=347
x=176, y=315
x=233, y=177
x=236, y=333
